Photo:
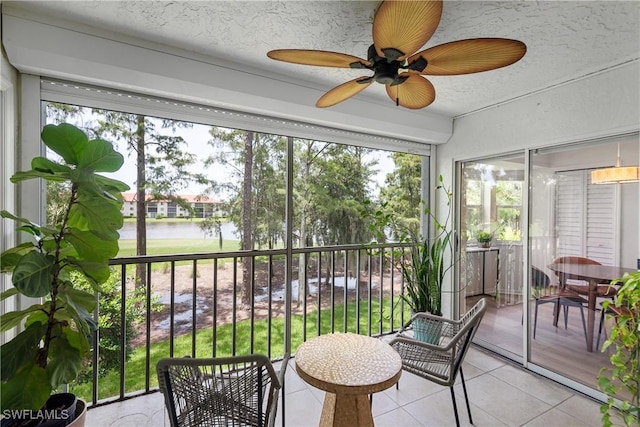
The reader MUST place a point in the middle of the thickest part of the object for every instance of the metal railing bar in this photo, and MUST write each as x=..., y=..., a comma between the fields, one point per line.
x=215, y=308
x=345, y=289
x=172, y=312
x=252, y=300
x=302, y=290
x=369, y=298
x=381, y=288
x=269, y=305
x=358, y=260
x=391, y=274
x=96, y=346
x=234, y=306
x=148, y=329
x=194, y=299
x=319, y=301
x=333, y=291
x=123, y=336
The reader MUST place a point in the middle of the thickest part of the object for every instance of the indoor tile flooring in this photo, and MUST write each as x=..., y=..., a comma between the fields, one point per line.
x=501, y=394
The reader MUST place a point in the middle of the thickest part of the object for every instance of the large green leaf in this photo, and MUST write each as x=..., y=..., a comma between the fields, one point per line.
x=20, y=350
x=65, y=362
x=98, y=214
x=29, y=389
x=10, y=258
x=6, y=214
x=12, y=319
x=8, y=293
x=92, y=247
x=66, y=140
x=79, y=305
x=100, y=157
x=33, y=273
x=32, y=174
x=47, y=165
x=113, y=186
x=97, y=272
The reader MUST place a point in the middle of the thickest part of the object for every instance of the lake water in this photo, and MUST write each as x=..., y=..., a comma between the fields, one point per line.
x=176, y=230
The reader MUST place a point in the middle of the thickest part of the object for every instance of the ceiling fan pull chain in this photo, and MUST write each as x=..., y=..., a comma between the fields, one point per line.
x=397, y=95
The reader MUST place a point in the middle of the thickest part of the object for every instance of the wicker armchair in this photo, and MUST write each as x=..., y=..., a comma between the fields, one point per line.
x=439, y=362
x=230, y=391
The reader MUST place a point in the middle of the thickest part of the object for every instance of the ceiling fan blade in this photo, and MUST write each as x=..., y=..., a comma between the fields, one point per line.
x=414, y=93
x=404, y=27
x=321, y=58
x=344, y=91
x=470, y=56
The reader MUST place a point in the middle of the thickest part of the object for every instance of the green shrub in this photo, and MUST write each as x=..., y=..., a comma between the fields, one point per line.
x=109, y=323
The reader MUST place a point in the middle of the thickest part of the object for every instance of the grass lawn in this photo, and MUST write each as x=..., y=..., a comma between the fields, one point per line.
x=135, y=367
x=177, y=246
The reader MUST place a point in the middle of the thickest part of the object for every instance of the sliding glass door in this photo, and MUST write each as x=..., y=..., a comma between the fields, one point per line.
x=538, y=211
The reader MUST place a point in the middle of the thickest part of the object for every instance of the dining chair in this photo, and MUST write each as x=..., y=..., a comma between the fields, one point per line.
x=604, y=290
x=442, y=361
x=612, y=311
x=225, y=391
x=541, y=284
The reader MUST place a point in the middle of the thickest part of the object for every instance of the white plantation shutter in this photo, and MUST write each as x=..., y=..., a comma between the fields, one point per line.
x=586, y=217
x=601, y=222
x=570, y=214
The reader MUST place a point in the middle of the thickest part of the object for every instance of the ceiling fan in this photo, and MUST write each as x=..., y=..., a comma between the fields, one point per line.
x=400, y=28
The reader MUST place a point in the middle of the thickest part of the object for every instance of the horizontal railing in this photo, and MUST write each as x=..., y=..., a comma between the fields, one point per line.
x=228, y=303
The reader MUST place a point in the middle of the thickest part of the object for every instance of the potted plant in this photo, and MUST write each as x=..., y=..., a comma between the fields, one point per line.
x=48, y=351
x=621, y=380
x=427, y=262
x=484, y=239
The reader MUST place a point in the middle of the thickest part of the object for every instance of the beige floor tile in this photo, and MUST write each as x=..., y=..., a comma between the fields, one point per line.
x=556, y=418
x=302, y=409
x=530, y=383
x=503, y=401
x=396, y=418
x=583, y=408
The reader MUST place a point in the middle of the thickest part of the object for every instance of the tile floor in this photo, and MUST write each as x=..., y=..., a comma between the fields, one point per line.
x=501, y=395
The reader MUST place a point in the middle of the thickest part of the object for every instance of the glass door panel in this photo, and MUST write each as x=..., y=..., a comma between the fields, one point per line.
x=571, y=216
x=490, y=203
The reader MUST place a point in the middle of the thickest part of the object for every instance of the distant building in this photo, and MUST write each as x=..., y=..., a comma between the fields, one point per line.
x=203, y=207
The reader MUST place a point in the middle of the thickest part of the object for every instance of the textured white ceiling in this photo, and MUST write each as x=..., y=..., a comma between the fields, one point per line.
x=565, y=39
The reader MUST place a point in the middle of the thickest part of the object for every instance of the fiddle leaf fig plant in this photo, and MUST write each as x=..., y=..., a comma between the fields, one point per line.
x=54, y=338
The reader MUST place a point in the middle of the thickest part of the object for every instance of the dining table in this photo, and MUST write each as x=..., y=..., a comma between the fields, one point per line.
x=593, y=274
x=348, y=367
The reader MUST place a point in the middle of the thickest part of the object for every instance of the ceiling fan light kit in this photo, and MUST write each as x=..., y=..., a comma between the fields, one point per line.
x=400, y=28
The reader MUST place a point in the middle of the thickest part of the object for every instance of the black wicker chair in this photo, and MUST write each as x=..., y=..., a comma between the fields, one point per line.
x=230, y=391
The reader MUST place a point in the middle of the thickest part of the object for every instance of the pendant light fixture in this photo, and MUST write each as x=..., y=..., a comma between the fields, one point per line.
x=616, y=175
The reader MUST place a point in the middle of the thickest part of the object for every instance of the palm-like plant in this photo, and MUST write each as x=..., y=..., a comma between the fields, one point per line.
x=429, y=261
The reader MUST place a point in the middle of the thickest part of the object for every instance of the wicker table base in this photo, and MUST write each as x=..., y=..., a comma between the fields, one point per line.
x=348, y=367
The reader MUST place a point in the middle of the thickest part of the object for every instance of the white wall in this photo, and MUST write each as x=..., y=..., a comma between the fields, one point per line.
x=8, y=132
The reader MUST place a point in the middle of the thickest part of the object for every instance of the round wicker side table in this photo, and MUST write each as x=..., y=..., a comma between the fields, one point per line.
x=348, y=367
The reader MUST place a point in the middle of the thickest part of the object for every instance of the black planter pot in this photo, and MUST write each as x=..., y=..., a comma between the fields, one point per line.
x=59, y=411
